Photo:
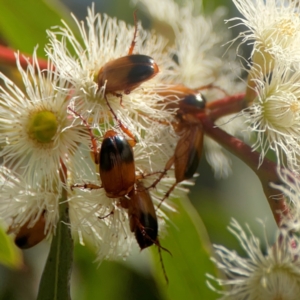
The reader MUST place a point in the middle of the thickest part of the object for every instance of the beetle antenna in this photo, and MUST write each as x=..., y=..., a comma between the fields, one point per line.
x=163, y=173
x=121, y=125
x=167, y=194
x=157, y=243
x=161, y=259
x=109, y=214
x=135, y=33
x=89, y=186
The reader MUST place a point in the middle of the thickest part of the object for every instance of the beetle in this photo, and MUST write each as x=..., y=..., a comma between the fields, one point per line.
x=116, y=165
x=115, y=160
x=117, y=173
x=127, y=72
x=142, y=216
x=118, y=176
x=187, y=154
x=143, y=219
x=28, y=236
x=188, y=99
x=188, y=150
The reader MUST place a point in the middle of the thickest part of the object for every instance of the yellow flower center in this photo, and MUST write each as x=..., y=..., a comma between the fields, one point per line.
x=43, y=126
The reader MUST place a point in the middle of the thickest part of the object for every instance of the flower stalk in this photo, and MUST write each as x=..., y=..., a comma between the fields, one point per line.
x=267, y=172
x=55, y=281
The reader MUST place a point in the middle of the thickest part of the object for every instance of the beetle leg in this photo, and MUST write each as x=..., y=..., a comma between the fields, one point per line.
x=93, y=139
x=161, y=260
x=163, y=173
x=119, y=95
x=157, y=243
x=167, y=194
x=133, y=42
x=154, y=120
x=121, y=125
x=142, y=175
x=109, y=214
x=90, y=186
x=132, y=143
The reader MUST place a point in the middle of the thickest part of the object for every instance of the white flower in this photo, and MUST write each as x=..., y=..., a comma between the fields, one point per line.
x=271, y=276
x=23, y=205
x=273, y=27
x=36, y=133
x=198, y=39
x=92, y=220
x=104, y=39
x=275, y=113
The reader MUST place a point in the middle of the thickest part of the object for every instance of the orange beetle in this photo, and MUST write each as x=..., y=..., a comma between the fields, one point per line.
x=188, y=99
x=128, y=72
x=27, y=237
x=116, y=165
x=117, y=168
x=143, y=219
x=142, y=216
x=117, y=173
x=188, y=150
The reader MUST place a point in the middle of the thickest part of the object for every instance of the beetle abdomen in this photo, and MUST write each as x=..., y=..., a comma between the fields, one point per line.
x=117, y=168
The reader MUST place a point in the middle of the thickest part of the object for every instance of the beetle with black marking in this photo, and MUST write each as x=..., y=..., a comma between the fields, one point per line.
x=27, y=236
x=188, y=150
x=116, y=165
x=126, y=73
x=183, y=98
x=143, y=219
x=119, y=180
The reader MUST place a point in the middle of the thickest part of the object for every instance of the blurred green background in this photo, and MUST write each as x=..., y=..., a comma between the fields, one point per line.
x=215, y=202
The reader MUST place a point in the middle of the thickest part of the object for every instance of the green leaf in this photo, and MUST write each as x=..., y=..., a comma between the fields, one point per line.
x=23, y=24
x=111, y=281
x=188, y=242
x=55, y=281
x=10, y=255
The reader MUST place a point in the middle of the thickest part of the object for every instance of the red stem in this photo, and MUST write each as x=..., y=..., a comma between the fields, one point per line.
x=226, y=106
x=7, y=56
x=267, y=172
